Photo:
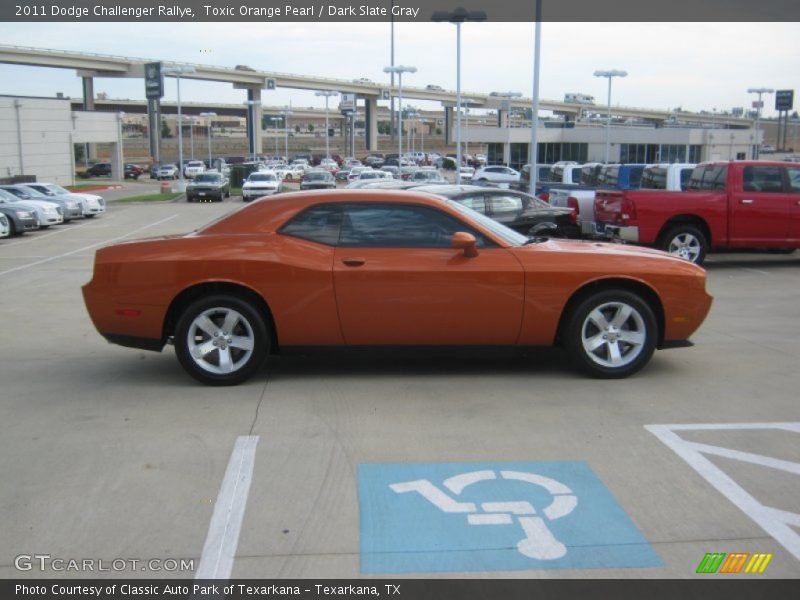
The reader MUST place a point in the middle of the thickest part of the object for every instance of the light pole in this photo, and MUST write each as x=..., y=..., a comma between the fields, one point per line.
x=508, y=96
x=286, y=112
x=457, y=17
x=399, y=69
x=209, y=115
x=177, y=72
x=758, y=107
x=534, y=149
x=191, y=134
x=610, y=75
x=327, y=94
x=275, y=121
x=467, y=102
x=253, y=104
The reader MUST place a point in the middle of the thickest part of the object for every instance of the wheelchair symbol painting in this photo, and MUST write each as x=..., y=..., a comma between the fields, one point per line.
x=467, y=517
x=539, y=542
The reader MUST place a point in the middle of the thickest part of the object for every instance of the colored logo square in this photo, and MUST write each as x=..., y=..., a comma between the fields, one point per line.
x=468, y=517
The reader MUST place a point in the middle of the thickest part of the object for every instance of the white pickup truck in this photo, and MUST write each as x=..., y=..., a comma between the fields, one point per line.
x=662, y=176
x=581, y=198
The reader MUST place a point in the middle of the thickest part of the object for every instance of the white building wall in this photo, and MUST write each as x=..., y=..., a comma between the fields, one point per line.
x=37, y=136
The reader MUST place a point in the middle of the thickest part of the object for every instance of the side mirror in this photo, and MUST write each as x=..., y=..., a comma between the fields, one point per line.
x=466, y=242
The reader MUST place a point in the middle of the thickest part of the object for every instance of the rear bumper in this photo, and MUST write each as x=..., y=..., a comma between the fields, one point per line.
x=617, y=232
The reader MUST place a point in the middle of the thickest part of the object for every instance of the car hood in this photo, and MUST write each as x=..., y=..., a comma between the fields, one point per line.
x=42, y=204
x=603, y=251
x=250, y=184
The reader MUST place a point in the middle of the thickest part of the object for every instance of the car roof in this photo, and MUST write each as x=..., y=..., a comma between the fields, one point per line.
x=268, y=216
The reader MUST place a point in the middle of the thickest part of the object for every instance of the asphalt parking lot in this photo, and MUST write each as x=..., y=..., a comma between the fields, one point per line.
x=112, y=453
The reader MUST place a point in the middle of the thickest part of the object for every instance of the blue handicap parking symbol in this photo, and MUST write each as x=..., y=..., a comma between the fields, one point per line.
x=418, y=518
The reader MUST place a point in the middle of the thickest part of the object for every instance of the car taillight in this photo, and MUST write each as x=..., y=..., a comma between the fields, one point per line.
x=572, y=202
x=627, y=210
x=544, y=196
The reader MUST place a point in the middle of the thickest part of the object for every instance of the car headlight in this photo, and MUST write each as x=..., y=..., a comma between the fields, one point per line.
x=72, y=204
x=24, y=214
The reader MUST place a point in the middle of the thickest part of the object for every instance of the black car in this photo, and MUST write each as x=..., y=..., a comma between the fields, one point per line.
x=101, y=169
x=318, y=180
x=206, y=187
x=517, y=210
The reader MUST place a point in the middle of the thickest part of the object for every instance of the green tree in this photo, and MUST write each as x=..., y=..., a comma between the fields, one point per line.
x=165, y=130
x=311, y=128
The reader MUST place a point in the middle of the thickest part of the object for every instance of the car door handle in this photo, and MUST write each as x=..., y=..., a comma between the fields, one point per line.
x=354, y=262
x=746, y=201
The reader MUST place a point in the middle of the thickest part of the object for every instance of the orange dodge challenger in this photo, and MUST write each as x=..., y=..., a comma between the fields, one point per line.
x=388, y=268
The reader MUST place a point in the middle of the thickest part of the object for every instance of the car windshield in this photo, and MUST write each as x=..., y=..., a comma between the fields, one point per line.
x=208, y=178
x=422, y=175
x=57, y=189
x=261, y=177
x=194, y=163
x=508, y=235
x=318, y=176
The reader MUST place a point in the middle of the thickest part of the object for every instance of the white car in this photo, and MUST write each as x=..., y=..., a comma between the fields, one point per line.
x=5, y=228
x=167, y=172
x=193, y=168
x=295, y=172
x=467, y=173
x=47, y=213
x=496, y=174
x=260, y=183
x=91, y=204
x=329, y=164
x=355, y=172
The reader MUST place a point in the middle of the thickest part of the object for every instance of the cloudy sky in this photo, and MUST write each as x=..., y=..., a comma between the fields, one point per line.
x=697, y=66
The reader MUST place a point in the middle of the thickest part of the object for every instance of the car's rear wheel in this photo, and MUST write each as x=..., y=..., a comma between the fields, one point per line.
x=687, y=242
x=611, y=334
x=221, y=340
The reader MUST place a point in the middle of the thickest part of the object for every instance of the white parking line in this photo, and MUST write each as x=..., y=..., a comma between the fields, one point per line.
x=777, y=523
x=103, y=243
x=222, y=539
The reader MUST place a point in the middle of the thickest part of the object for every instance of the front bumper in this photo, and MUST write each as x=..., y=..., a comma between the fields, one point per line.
x=252, y=194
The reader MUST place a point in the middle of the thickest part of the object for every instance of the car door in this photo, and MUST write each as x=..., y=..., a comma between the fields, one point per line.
x=760, y=207
x=793, y=182
x=398, y=280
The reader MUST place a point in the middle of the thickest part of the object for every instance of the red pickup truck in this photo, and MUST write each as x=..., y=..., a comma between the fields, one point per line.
x=736, y=204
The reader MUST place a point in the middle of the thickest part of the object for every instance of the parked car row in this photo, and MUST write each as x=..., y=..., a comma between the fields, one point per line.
x=32, y=206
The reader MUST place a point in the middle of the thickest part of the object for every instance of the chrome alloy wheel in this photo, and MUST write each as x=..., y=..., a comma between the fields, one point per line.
x=686, y=246
x=220, y=340
x=613, y=334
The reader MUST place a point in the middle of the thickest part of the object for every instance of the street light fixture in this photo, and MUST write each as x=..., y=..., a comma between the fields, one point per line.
x=177, y=71
x=759, y=91
x=209, y=115
x=327, y=94
x=400, y=69
x=507, y=96
x=457, y=17
x=610, y=75
x=253, y=104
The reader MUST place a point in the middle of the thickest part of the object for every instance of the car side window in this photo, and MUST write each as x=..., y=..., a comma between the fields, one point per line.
x=319, y=223
x=762, y=179
x=400, y=226
x=504, y=204
x=477, y=203
x=794, y=179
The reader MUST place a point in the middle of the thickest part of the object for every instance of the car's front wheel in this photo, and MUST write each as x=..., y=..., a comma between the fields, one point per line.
x=221, y=340
x=611, y=334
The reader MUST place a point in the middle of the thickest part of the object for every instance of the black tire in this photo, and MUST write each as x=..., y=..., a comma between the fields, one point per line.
x=633, y=339
x=685, y=241
x=248, y=325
